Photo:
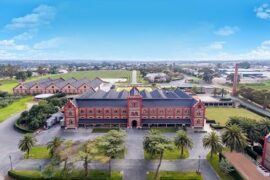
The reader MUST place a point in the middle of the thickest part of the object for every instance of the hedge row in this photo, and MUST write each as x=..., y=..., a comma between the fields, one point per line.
x=17, y=175
x=210, y=121
x=216, y=126
x=21, y=128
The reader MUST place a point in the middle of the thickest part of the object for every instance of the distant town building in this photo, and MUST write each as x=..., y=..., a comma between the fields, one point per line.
x=134, y=108
x=49, y=85
x=157, y=77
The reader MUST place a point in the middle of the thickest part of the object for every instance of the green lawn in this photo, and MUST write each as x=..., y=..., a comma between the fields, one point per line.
x=258, y=86
x=175, y=175
x=215, y=164
x=75, y=174
x=168, y=155
x=103, y=130
x=222, y=114
x=15, y=107
x=39, y=152
x=8, y=85
x=167, y=130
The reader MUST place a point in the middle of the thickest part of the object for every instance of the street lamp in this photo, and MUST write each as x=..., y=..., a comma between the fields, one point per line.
x=199, y=165
x=11, y=167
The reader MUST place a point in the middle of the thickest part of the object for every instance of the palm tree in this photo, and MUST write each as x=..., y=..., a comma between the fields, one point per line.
x=264, y=127
x=212, y=141
x=251, y=129
x=26, y=143
x=182, y=141
x=155, y=144
x=54, y=144
x=234, y=138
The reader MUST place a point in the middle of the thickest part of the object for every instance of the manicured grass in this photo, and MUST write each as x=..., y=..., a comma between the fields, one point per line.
x=174, y=175
x=221, y=115
x=258, y=86
x=8, y=85
x=215, y=164
x=39, y=152
x=169, y=155
x=75, y=174
x=15, y=107
x=103, y=130
x=167, y=130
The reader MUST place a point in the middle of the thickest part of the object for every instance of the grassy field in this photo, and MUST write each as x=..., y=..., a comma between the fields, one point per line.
x=75, y=174
x=8, y=85
x=169, y=155
x=15, y=107
x=215, y=164
x=39, y=152
x=258, y=86
x=174, y=175
x=221, y=115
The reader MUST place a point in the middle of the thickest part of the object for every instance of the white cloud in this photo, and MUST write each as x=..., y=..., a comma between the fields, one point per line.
x=43, y=14
x=263, y=11
x=25, y=35
x=227, y=30
x=218, y=45
x=12, y=45
x=48, y=44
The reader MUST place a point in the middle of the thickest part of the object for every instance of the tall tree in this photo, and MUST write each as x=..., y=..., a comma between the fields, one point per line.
x=54, y=144
x=26, y=143
x=112, y=144
x=90, y=152
x=21, y=75
x=264, y=127
x=212, y=141
x=234, y=138
x=182, y=141
x=156, y=144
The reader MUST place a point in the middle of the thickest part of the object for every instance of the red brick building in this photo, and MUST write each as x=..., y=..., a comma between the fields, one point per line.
x=159, y=108
x=48, y=85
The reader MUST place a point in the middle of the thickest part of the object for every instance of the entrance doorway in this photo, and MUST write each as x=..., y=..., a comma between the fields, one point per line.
x=134, y=124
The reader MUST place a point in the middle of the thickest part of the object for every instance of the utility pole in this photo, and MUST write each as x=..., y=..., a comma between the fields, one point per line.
x=11, y=167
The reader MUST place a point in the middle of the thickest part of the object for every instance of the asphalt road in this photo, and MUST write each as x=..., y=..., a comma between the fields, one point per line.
x=134, y=77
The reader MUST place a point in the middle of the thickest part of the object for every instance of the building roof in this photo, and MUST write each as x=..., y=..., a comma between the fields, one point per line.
x=155, y=98
x=60, y=82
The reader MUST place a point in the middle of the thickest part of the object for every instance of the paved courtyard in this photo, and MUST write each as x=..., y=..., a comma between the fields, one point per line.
x=134, y=166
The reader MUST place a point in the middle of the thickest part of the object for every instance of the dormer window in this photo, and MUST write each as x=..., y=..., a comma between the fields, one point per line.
x=68, y=86
x=21, y=87
x=36, y=86
x=84, y=87
x=52, y=86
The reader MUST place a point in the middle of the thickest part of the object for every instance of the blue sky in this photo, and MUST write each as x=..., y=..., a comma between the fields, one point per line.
x=135, y=30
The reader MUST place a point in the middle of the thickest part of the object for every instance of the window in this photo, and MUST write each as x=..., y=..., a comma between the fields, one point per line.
x=124, y=111
x=115, y=111
x=107, y=111
x=90, y=111
x=70, y=122
x=70, y=113
x=82, y=111
x=36, y=86
x=84, y=87
x=21, y=87
x=68, y=86
x=52, y=86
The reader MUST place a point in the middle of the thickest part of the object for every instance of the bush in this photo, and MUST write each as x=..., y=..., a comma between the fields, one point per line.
x=216, y=126
x=258, y=150
x=251, y=153
x=22, y=129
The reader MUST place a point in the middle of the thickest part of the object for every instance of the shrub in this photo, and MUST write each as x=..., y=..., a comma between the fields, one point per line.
x=251, y=153
x=258, y=150
x=216, y=126
x=210, y=121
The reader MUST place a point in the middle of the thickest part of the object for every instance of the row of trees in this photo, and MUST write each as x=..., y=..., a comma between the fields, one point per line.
x=103, y=149
x=261, y=97
x=38, y=114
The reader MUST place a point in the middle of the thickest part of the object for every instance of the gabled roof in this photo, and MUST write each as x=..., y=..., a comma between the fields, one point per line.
x=134, y=91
